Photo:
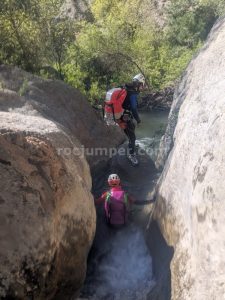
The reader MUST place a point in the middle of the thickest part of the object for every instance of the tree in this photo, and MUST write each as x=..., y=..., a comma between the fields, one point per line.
x=189, y=21
x=119, y=40
x=34, y=34
x=19, y=34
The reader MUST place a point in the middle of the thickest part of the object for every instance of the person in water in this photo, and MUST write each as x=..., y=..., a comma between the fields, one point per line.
x=130, y=112
x=117, y=203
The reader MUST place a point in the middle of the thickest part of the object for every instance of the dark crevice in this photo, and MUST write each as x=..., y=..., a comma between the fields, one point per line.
x=162, y=255
x=5, y=162
x=160, y=252
x=107, y=262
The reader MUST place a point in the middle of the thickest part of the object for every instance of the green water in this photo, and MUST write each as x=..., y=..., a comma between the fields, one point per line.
x=150, y=131
x=152, y=123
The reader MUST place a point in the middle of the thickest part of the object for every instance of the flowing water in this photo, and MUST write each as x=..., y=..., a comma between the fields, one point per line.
x=120, y=264
x=150, y=131
x=122, y=268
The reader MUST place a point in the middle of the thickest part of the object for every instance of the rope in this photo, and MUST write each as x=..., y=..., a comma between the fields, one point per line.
x=154, y=204
x=151, y=216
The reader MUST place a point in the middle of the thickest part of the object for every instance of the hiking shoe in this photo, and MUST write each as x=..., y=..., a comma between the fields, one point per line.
x=137, y=145
x=133, y=159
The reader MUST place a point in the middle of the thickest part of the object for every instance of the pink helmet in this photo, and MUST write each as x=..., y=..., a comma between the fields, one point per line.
x=113, y=180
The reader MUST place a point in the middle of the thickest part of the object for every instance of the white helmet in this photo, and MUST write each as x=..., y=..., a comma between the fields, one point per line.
x=139, y=78
x=113, y=180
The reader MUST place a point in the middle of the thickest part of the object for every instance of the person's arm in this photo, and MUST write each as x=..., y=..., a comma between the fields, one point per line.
x=144, y=202
x=131, y=199
x=101, y=199
x=133, y=105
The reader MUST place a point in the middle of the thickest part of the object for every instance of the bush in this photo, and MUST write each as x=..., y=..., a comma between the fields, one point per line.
x=119, y=40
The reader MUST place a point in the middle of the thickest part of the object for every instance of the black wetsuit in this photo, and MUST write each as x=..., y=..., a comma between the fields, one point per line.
x=130, y=107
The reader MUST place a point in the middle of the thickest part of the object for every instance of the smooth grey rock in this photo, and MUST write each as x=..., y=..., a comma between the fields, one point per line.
x=47, y=213
x=190, y=205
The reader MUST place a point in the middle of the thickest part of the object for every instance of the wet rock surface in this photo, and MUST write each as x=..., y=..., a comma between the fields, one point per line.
x=161, y=100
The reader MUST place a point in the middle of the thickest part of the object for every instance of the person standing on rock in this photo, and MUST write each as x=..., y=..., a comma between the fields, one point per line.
x=130, y=112
x=120, y=108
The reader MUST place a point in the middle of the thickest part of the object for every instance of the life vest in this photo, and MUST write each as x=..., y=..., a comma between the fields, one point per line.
x=113, y=109
x=116, y=207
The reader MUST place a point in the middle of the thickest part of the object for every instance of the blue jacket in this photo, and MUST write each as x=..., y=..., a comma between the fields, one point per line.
x=130, y=103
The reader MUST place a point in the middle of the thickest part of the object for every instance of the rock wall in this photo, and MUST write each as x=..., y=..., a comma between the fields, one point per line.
x=47, y=214
x=157, y=100
x=190, y=203
x=64, y=105
x=76, y=9
x=153, y=11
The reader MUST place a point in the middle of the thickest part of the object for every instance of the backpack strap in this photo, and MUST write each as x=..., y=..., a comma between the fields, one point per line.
x=103, y=110
x=126, y=199
x=108, y=197
x=107, y=206
x=126, y=205
x=114, y=118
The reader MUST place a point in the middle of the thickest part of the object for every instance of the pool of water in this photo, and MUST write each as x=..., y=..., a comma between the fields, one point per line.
x=152, y=123
x=150, y=131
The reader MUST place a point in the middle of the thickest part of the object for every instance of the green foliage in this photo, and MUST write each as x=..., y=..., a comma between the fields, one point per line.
x=18, y=34
x=190, y=21
x=217, y=5
x=32, y=34
x=74, y=76
x=120, y=39
x=118, y=44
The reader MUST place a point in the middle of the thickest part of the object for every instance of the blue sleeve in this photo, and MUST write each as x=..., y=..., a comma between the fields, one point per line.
x=133, y=105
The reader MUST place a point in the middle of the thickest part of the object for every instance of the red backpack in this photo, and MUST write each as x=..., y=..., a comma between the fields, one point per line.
x=113, y=109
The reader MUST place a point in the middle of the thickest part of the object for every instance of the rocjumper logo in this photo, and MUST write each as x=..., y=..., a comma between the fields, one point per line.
x=103, y=151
